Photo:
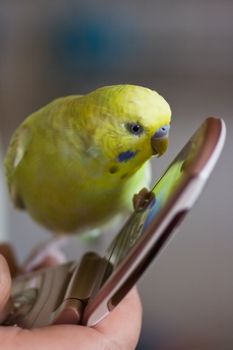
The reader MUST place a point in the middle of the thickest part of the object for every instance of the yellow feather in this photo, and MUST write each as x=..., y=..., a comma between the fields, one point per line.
x=74, y=164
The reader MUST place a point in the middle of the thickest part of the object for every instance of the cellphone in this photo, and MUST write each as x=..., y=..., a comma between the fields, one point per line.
x=85, y=292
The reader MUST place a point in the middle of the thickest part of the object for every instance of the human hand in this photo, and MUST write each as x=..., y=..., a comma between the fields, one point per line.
x=119, y=330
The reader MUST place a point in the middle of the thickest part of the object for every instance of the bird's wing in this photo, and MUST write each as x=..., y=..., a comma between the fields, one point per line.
x=15, y=154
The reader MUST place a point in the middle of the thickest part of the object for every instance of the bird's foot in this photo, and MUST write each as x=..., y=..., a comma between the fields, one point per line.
x=143, y=199
x=46, y=252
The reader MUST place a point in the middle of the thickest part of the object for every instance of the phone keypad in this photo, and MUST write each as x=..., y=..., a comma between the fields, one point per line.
x=22, y=304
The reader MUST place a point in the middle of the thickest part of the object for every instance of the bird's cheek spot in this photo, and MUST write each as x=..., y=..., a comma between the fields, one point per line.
x=113, y=169
x=125, y=156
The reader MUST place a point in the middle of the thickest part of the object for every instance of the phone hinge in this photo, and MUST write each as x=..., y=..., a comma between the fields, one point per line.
x=87, y=277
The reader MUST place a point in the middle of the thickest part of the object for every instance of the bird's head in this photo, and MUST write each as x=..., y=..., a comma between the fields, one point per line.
x=128, y=124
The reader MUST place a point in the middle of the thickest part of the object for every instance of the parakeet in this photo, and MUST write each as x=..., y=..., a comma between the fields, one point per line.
x=76, y=163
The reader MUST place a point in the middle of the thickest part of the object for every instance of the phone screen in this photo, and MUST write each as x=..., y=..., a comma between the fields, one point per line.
x=164, y=189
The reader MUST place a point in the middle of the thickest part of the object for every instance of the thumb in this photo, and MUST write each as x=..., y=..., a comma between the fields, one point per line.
x=5, y=287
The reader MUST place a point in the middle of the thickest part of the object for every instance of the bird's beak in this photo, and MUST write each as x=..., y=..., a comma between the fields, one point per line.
x=159, y=141
x=159, y=146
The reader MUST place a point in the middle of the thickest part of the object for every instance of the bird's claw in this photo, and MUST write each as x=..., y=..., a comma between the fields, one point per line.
x=46, y=251
x=143, y=199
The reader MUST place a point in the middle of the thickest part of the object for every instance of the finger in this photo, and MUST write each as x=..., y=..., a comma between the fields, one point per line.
x=7, y=251
x=123, y=324
x=5, y=287
x=119, y=330
x=53, y=338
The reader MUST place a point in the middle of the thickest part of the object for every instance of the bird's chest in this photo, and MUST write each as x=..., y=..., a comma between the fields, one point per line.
x=84, y=186
x=97, y=191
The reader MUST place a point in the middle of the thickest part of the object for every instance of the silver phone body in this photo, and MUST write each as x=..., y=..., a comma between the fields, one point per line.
x=85, y=292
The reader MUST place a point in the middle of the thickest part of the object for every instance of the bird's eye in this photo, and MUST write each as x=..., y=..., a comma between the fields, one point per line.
x=134, y=128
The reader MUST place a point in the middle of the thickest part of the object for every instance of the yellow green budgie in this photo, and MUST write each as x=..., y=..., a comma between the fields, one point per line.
x=76, y=163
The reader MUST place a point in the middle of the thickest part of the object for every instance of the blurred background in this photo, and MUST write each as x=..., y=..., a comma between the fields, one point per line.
x=184, y=50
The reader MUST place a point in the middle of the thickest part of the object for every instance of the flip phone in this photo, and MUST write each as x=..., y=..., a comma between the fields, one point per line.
x=85, y=292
